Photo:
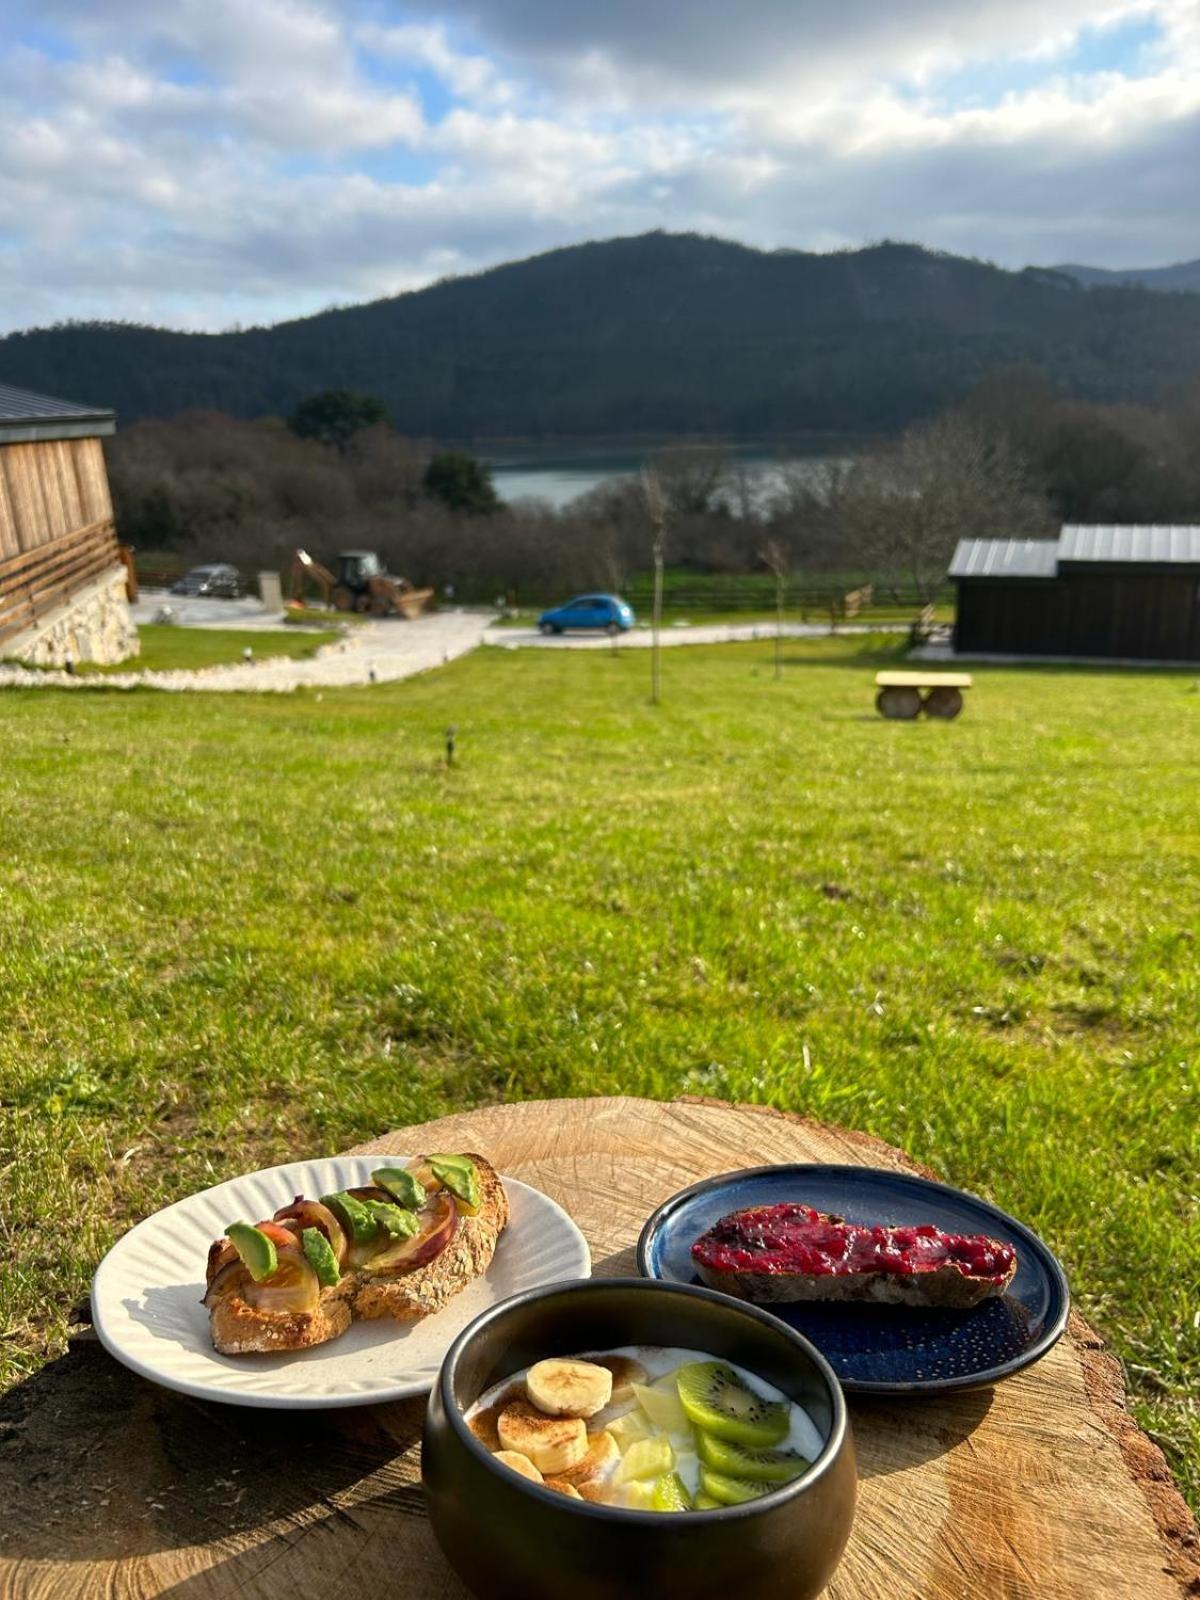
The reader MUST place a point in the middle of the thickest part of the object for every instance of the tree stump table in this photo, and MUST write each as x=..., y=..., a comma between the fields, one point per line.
x=1041, y=1487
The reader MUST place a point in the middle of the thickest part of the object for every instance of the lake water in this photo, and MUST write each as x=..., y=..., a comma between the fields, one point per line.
x=559, y=474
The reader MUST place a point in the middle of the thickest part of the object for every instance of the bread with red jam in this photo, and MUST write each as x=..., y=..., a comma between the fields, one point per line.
x=789, y=1252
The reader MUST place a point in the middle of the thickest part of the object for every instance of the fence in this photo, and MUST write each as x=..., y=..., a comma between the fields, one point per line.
x=34, y=584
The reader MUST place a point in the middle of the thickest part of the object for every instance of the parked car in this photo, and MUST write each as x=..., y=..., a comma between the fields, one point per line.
x=606, y=611
x=219, y=582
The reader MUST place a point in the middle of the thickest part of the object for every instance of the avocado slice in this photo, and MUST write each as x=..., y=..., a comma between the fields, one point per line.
x=400, y=1182
x=400, y=1224
x=256, y=1250
x=461, y=1177
x=320, y=1256
x=354, y=1216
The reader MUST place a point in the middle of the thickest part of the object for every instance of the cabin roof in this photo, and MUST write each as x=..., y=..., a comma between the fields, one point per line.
x=26, y=417
x=1005, y=558
x=1080, y=544
x=1156, y=543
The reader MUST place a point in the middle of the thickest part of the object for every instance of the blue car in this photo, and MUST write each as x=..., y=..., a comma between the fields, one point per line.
x=605, y=611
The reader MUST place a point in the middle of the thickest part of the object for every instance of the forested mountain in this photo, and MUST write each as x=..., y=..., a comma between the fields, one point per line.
x=657, y=334
x=1182, y=278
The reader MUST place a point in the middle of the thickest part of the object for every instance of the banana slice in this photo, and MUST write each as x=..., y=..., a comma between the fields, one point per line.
x=569, y=1388
x=561, y=1486
x=591, y=1475
x=514, y=1460
x=553, y=1444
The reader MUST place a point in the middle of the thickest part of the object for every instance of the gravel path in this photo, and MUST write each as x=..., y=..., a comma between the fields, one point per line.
x=702, y=633
x=374, y=652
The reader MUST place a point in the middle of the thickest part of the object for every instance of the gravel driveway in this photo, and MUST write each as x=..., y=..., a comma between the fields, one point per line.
x=373, y=652
x=689, y=633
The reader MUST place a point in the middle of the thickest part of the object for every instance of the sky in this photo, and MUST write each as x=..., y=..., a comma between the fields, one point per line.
x=205, y=164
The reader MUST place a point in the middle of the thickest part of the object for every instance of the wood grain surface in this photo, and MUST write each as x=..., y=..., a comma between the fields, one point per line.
x=1040, y=1487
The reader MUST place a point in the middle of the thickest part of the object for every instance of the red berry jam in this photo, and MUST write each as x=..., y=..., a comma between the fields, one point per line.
x=794, y=1238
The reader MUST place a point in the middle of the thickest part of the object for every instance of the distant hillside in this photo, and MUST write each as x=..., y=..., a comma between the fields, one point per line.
x=1183, y=277
x=658, y=334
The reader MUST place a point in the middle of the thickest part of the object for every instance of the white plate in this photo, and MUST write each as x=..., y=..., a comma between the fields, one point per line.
x=147, y=1311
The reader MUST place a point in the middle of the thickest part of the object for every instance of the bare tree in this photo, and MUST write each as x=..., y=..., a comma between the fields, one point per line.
x=774, y=556
x=657, y=513
x=908, y=503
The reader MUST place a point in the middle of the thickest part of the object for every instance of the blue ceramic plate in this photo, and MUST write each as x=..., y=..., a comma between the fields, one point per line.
x=881, y=1349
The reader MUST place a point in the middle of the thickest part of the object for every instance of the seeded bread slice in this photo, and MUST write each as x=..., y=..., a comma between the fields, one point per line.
x=239, y=1329
x=408, y=1296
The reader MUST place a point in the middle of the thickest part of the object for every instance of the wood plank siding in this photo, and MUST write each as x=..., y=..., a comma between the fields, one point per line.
x=1133, y=616
x=56, y=526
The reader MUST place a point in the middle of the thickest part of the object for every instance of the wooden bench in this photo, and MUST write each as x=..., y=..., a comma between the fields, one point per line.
x=904, y=695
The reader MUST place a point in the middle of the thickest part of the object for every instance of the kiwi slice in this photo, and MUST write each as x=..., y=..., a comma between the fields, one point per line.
x=705, y=1502
x=719, y=1403
x=760, y=1466
x=670, y=1493
x=728, y=1491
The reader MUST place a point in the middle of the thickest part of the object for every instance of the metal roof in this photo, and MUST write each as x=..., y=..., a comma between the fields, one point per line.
x=1148, y=543
x=1005, y=558
x=26, y=416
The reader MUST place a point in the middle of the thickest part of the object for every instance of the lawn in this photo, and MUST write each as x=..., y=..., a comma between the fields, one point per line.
x=233, y=934
x=166, y=646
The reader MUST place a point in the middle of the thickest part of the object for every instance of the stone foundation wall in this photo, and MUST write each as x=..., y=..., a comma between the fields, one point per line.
x=94, y=625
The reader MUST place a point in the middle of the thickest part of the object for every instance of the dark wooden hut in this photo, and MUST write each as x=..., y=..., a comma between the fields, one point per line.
x=1115, y=592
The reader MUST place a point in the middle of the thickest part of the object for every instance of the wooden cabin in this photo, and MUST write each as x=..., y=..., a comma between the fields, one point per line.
x=1115, y=592
x=63, y=580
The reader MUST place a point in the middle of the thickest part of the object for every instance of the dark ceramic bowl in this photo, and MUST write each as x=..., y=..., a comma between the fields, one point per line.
x=507, y=1536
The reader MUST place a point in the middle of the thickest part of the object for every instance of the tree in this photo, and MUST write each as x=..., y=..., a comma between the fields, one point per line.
x=774, y=556
x=461, y=482
x=335, y=415
x=658, y=515
x=911, y=501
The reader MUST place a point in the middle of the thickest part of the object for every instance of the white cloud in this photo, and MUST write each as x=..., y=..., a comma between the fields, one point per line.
x=217, y=160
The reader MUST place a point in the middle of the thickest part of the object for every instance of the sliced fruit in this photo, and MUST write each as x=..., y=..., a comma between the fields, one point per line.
x=256, y=1249
x=437, y=1224
x=516, y=1462
x=591, y=1475
x=663, y=1407
x=312, y=1214
x=719, y=1403
x=394, y=1220
x=705, y=1502
x=319, y=1254
x=628, y=1429
x=760, y=1466
x=670, y=1494
x=359, y=1225
x=625, y=1373
x=728, y=1491
x=401, y=1183
x=638, y=1496
x=561, y=1486
x=290, y=1290
x=648, y=1458
x=461, y=1177
x=567, y=1388
x=553, y=1444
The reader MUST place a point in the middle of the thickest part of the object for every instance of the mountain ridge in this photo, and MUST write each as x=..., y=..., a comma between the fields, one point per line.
x=652, y=333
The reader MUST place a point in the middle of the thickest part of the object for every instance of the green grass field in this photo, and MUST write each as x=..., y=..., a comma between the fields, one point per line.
x=165, y=646
x=236, y=933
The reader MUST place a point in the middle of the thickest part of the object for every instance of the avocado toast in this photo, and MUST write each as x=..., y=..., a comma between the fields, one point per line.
x=398, y=1247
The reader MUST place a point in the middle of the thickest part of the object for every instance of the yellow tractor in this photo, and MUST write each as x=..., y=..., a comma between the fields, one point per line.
x=359, y=583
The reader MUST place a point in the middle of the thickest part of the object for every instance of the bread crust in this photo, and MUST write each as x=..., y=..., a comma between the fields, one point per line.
x=944, y=1288
x=238, y=1328
x=412, y=1295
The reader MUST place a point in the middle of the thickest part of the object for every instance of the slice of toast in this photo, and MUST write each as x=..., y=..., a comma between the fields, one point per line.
x=409, y=1296
x=785, y=1253
x=238, y=1328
